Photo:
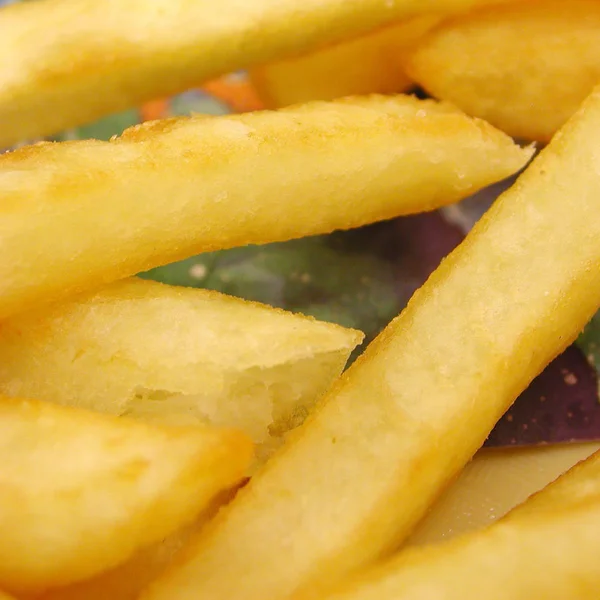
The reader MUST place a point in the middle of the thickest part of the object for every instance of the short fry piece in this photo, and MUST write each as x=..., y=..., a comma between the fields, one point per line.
x=373, y=63
x=546, y=549
x=175, y=355
x=81, y=491
x=75, y=215
x=65, y=62
x=524, y=67
x=352, y=482
x=493, y=483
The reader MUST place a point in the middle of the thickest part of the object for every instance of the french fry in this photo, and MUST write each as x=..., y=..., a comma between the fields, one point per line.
x=65, y=62
x=492, y=484
x=127, y=580
x=545, y=549
x=368, y=64
x=81, y=491
x=175, y=355
x=76, y=215
x=351, y=483
x=524, y=67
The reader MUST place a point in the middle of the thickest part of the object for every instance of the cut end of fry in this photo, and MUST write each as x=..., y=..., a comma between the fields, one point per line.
x=81, y=492
x=524, y=67
x=176, y=355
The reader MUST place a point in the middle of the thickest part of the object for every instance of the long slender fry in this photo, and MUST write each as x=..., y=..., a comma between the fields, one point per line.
x=65, y=62
x=75, y=215
x=408, y=415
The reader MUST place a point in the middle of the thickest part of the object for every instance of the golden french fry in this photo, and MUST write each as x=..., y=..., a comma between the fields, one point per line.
x=126, y=581
x=65, y=62
x=176, y=356
x=351, y=483
x=493, y=483
x=368, y=64
x=524, y=67
x=82, y=491
x=545, y=549
x=75, y=215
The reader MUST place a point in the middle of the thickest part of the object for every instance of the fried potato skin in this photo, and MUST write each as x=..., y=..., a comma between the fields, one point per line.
x=66, y=62
x=524, y=67
x=373, y=63
x=81, y=491
x=76, y=215
x=354, y=480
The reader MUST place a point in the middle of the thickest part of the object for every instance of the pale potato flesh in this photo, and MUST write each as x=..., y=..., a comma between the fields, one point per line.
x=66, y=62
x=373, y=63
x=82, y=492
x=493, y=483
x=75, y=215
x=545, y=549
x=353, y=481
x=175, y=356
x=524, y=67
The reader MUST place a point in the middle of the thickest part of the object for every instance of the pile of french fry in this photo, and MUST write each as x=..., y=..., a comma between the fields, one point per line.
x=165, y=443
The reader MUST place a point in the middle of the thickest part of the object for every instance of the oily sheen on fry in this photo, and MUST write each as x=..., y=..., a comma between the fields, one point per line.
x=525, y=67
x=400, y=424
x=82, y=491
x=67, y=62
x=175, y=355
x=546, y=549
x=75, y=215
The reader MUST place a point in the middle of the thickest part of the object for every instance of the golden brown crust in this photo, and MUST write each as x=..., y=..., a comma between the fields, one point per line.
x=75, y=215
x=66, y=62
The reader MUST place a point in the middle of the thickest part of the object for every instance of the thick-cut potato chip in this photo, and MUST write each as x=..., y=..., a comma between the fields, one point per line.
x=75, y=215
x=546, y=549
x=177, y=356
x=81, y=492
x=65, y=62
x=524, y=67
x=353, y=481
x=493, y=483
x=368, y=64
